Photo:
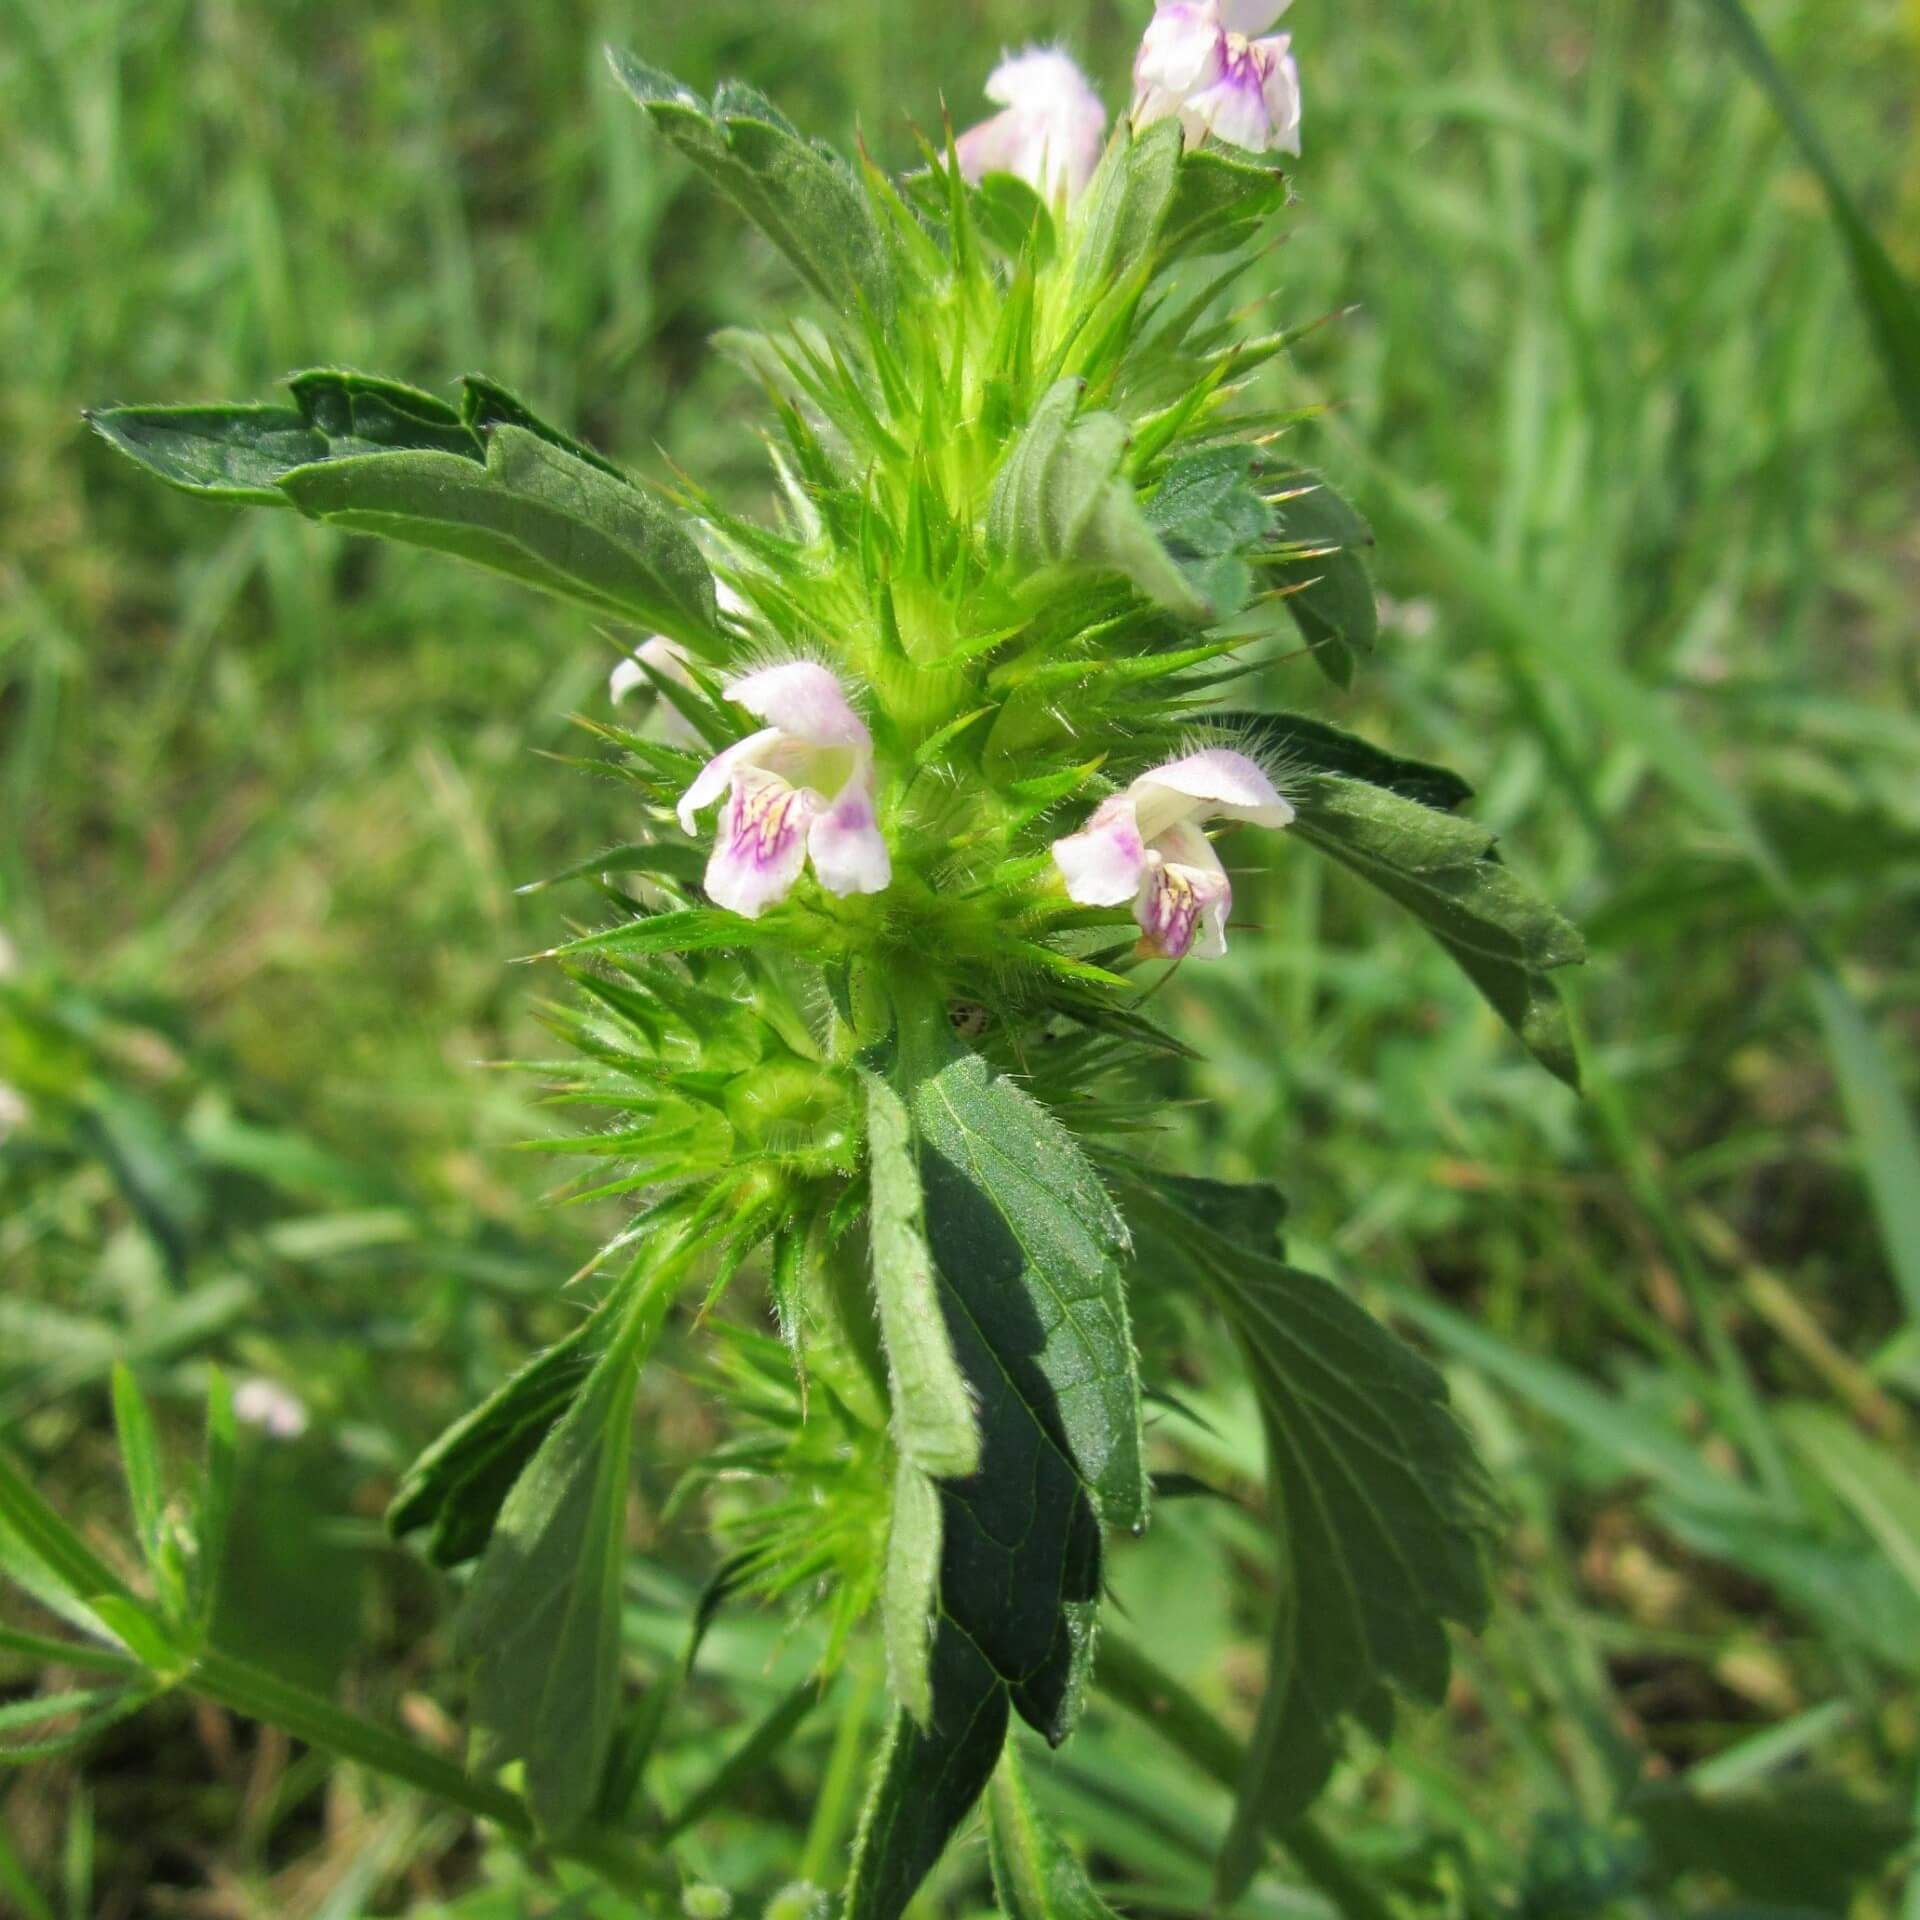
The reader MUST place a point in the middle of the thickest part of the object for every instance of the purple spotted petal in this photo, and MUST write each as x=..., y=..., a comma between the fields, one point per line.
x=717, y=775
x=1184, y=904
x=761, y=845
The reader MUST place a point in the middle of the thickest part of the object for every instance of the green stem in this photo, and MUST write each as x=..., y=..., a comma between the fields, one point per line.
x=66, y=1653
x=1133, y=1681
x=834, y=1809
x=263, y=1696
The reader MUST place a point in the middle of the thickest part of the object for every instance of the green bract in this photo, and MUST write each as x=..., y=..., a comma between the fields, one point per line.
x=1031, y=522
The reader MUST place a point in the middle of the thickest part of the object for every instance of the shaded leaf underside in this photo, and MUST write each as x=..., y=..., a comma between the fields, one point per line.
x=1026, y=1248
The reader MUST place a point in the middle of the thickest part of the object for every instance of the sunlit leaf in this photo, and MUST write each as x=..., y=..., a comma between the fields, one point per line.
x=542, y=1618
x=800, y=194
x=457, y=1487
x=1062, y=500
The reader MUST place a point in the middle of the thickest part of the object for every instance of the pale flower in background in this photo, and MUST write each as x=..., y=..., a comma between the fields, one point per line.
x=668, y=659
x=1051, y=132
x=1212, y=63
x=14, y=1111
x=1144, y=848
x=270, y=1407
x=800, y=789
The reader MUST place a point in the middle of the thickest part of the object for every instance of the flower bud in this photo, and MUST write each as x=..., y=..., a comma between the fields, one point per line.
x=1051, y=131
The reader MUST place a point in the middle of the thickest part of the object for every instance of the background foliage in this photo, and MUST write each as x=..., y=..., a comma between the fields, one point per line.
x=267, y=796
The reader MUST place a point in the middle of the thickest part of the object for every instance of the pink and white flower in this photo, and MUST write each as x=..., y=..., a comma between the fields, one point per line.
x=800, y=789
x=1051, y=130
x=1214, y=64
x=1144, y=848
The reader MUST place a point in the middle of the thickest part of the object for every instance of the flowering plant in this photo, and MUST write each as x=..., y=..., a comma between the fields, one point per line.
x=933, y=791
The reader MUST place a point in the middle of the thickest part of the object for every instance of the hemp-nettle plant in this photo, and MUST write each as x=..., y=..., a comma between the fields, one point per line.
x=931, y=780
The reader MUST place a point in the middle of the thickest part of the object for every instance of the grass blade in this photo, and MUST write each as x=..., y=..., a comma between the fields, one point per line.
x=1888, y=301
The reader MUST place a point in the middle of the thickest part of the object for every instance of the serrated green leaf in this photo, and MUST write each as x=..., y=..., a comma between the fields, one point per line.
x=1208, y=513
x=1062, y=500
x=1035, y=1877
x=243, y=453
x=679, y=930
x=933, y=1418
x=362, y=413
x=1381, y=1509
x=485, y=404
x=457, y=1487
x=1444, y=871
x=1221, y=199
x=1025, y=1245
x=1013, y=1208
x=680, y=861
x=801, y=195
x=222, y=453
x=542, y=1617
x=533, y=511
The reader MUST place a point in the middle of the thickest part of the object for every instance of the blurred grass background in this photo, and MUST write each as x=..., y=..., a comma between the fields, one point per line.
x=265, y=797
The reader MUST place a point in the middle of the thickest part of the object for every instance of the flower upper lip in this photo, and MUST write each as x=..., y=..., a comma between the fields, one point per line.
x=1145, y=847
x=1051, y=130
